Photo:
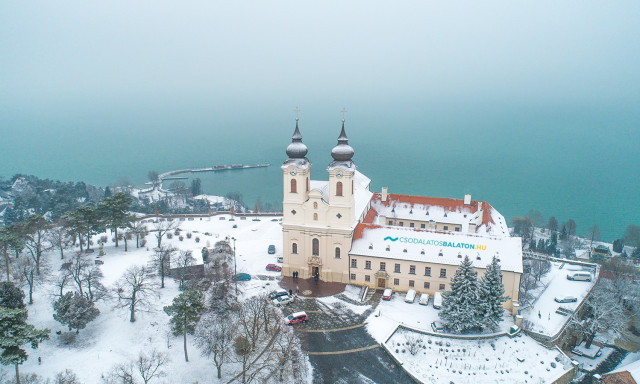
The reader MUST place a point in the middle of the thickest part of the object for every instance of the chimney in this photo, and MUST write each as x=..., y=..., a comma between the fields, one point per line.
x=467, y=199
x=384, y=194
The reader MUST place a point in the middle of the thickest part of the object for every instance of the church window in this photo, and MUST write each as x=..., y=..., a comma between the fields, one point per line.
x=457, y=229
x=396, y=281
x=427, y=271
x=337, y=252
x=383, y=266
x=352, y=187
x=367, y=278
x=294, y=248
x=411, y=225
x=446, y=227
x=294, y=188
x=427, y=285
x=315, y=205
x=411, y=283
x=339, y=188
x=422, y=226
x=400, y=223
x=412, y=269
x=367, y=264
x=353, y=276
x=390, y=222
x=442, y=287
x=315, y=216
x=315, y=247
x=354, y=263
x=397, y=268
x=443, y=273
x=307, y=184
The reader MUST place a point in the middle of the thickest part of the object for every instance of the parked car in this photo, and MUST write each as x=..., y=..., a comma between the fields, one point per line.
x=277, y=293
x=424, y=299
x=271, y=249
x=581, y=276
x=273, y=267
x=386, y=295
x=280, y=259
x=282, y=300
x=437, y=300
x=565, y=299
x=437, y=326
x=242, y=277
x=235, y=225
x=410, y=297
x=297, y=317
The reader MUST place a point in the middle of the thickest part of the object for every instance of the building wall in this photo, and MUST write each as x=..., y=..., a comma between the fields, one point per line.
x=439, y=226
x=358, y=276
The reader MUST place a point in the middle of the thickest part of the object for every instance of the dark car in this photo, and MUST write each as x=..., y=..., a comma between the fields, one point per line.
x=297, y=317
x=277, y=293
x=272, y=249
x=273, y=267
x=242, y=277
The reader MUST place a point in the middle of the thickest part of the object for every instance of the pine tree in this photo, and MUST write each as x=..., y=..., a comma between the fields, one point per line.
x=11, y=296
x=460, y=305
x=185, y=313
x=75, y=311
x=491, y=296
x=16, y=332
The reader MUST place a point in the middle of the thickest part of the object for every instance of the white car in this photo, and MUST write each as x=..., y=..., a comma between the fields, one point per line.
x=282, y=300
x=565, y=299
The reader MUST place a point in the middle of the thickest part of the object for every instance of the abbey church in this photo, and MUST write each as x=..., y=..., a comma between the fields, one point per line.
x=340, y=231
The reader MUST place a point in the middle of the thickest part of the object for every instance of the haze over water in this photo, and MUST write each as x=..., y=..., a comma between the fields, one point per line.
x=526, y=106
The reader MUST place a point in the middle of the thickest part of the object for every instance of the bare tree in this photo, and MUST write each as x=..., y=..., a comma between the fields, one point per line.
x=593, y=234
x=603, y=312
x=35, y=231
x=539, y=268
x=164, y=227
x=120, y=374
x=139, y=230
x=161, y=261
x=182, y=262
x=214, y=336
x=26, y=272
x=87, y=277
x=66, y=377
x=59, y=238
x=528, y=283
x=150, y=365
x=135, y=289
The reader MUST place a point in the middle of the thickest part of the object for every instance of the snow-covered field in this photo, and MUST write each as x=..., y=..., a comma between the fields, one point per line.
x=112, y=339
x=395, y=312
x=498, y=360
x=543, y=317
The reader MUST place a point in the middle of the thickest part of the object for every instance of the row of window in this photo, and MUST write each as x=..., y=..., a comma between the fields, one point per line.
x=412, y=283
x=315, y=248
x=412, y=268
x=422, y=225
x=294, y=187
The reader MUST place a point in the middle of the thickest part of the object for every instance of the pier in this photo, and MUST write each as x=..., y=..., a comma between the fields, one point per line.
x=172, y=175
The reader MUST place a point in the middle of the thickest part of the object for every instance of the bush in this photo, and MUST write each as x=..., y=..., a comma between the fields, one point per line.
x=197, y=239
x=143, y=242
x=181, y=238
x=189, y=234
x=169, y=235
x=104, y=239
x=176, y=232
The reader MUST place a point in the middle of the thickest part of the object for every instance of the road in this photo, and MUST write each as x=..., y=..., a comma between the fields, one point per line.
x=340, y=349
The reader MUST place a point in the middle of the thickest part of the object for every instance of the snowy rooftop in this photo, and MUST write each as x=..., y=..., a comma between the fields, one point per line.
x=436, y=247
x=454, y=211
x=633, y=369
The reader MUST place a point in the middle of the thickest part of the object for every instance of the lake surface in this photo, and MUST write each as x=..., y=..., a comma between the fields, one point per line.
x=578, y=162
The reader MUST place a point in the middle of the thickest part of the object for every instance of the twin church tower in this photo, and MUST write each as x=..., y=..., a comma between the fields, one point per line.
x=319, y=217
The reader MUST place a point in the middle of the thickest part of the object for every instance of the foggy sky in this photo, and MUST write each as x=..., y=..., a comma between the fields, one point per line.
x=79, y=52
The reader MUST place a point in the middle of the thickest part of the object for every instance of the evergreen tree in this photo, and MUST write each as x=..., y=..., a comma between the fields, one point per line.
x=10, y=240
x=460, y=305
x=16, y=332
x=11, y=296
x=618, y=245
x=196, y=187
x=491, y=296
x=114, y=211
x=553, y=244
x=185, y=313
x=107, y=192
x=75, y=311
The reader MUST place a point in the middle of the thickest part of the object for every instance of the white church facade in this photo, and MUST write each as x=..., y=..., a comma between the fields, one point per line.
x=342, y=232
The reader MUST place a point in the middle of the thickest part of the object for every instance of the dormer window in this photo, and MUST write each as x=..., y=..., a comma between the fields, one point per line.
x=422, y=252
x=459, y=255
x=388, y=248
x=404, y=250
x=370, y=246
x=440, y=253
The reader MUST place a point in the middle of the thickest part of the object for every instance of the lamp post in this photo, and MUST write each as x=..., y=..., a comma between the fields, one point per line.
x=235, y=264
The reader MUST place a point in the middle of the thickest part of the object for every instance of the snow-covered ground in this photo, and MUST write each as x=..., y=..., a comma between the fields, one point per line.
x=542, y=316
x=498, y=360
x=112, y=339
x=396, y=311
x=588, y=363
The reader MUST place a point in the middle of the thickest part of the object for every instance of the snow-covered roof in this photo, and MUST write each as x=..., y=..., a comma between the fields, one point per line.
x=632, y=368
x=298, y=163
x=485, y=218
x=322, y=186
x=361, y=195
x=436, y=247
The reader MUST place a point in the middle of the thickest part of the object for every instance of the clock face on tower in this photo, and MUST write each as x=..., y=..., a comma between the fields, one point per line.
x=339, y=174
x=292, y=172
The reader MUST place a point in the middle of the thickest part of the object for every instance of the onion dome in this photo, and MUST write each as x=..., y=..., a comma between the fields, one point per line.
x=342, y=151
x=296, y=150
